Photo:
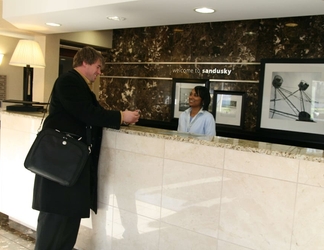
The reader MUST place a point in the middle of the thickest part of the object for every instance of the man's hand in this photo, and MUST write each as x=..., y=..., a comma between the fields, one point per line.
x=131, y=116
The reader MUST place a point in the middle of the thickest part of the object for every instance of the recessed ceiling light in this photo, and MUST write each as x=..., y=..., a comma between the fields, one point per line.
x=116, y=18
x=53, y=24
x=204, y=10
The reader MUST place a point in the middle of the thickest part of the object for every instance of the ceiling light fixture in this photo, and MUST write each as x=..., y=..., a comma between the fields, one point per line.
x=204, y=10
x=54, y=24
x=116, y=18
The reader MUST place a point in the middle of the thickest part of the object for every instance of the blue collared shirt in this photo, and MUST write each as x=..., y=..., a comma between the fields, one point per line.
x=203, y=123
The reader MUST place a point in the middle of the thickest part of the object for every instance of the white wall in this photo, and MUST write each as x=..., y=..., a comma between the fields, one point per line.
x=14, y=74
x=52, y=55
x=100, y=38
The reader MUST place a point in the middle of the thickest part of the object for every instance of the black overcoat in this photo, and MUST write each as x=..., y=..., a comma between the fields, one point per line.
x=74, y=106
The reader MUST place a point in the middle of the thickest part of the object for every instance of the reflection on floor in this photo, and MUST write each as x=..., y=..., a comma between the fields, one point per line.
x=15, y=236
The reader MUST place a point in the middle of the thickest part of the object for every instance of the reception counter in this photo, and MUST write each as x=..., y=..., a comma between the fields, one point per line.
x=162, y=190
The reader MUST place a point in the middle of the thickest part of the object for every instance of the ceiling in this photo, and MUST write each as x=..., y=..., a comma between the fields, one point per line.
x=78, y=15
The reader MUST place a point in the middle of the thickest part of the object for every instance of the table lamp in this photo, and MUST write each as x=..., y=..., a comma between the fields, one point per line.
x=27, y=54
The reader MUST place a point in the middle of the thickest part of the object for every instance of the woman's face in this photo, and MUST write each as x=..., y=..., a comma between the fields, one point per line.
x=194, y=99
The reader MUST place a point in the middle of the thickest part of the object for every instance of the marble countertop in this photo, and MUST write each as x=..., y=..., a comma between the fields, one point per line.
x=287, y=151
x=27, y=114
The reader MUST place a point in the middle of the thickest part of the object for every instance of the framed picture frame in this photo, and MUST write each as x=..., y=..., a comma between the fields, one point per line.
x=291, y=101
x=181, y=91
x=229, y=108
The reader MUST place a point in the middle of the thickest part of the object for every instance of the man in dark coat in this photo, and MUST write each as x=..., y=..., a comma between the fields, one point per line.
x=73, y=108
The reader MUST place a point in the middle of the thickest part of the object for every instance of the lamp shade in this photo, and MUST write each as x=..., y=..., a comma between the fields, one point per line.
x=28, y=52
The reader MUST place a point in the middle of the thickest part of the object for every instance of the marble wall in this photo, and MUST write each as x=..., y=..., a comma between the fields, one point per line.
x=167, y=193
x=143, y=61
x=160, y=190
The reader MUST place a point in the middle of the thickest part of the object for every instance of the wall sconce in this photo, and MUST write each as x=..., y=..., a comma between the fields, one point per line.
x=27, y=54
x=1, y=57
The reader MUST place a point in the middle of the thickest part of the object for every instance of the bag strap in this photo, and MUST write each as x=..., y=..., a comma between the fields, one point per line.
x=44, y=111
x=88, y=127
x=89, y=136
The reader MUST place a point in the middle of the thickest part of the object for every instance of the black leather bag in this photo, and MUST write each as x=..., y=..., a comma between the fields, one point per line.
x=57, y=156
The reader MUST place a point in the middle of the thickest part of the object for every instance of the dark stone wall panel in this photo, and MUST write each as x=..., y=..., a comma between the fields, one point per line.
x=149, y=86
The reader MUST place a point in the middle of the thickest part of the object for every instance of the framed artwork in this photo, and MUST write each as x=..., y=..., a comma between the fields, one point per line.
x=291, y=100
x=181, y=92
x=229, y=107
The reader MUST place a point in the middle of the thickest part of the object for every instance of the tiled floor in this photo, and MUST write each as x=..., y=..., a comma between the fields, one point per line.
x=14, y=236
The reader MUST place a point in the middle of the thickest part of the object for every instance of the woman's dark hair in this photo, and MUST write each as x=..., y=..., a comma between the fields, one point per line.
x=88, y=55
x=203, y=93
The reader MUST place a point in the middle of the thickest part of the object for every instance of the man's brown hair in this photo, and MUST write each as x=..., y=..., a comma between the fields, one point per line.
x=88, y=55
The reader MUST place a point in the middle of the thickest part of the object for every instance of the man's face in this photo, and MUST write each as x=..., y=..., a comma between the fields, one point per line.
x=93, y=70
